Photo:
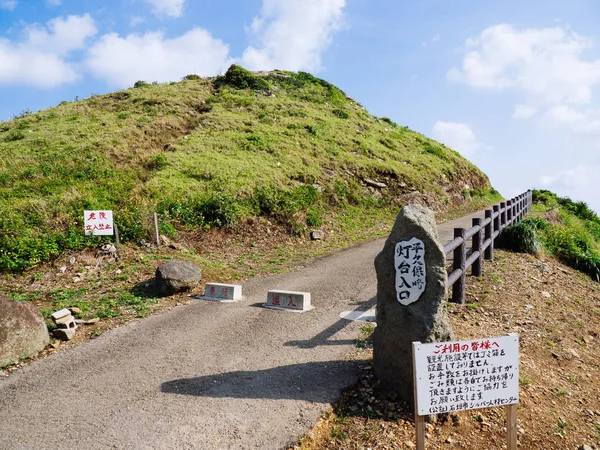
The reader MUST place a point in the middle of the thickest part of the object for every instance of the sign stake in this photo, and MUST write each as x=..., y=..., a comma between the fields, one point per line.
x=511, y=427
x=419, y=420
x=117, y=241
x=156, y=230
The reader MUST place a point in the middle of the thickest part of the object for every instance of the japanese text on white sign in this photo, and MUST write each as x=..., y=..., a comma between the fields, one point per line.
x=454, y=376
x=98, y=223
x=409, y=259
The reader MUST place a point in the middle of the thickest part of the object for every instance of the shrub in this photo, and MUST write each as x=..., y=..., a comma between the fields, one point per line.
x=192, y=76
x=389, y=122
x=523, y=236
x=341, y=113
x=141, y=84
x=14, y=135
x=238, y=77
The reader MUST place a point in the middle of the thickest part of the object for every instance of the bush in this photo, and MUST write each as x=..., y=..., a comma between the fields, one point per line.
x=238, y=77
x=389, y=121
x=192, y=76
x=574, y=249
x=141, y=84
x=522, y=237
x=14, y=135
x=341, y=113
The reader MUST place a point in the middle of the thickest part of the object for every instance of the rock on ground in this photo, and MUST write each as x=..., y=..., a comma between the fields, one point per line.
x=176, y=276
x=425, y=320
x=23, y=331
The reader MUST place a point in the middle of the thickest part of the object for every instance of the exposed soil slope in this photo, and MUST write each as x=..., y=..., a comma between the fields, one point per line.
x=555, y=311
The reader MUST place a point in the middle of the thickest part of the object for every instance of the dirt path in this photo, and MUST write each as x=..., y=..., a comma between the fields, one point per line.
x=204, y=375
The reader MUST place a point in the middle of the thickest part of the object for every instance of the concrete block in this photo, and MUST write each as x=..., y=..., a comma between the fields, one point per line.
x=220, y=292
x=289, y=301
x=66, y=334
x=59, y=314
x=66, y=322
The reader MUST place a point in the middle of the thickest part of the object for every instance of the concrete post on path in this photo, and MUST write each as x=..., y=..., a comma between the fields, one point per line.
x=411, y=294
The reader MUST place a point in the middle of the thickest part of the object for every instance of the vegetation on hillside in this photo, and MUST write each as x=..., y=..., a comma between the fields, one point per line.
x=212, y=153
x=564, y=228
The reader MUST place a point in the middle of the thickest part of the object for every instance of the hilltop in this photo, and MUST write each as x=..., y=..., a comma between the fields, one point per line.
x=216, y=153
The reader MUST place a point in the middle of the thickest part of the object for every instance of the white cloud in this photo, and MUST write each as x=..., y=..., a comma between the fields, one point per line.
x=169, y=8
x=576, y=183
x=62, y=35
x=577, y=121
x=546, y=64
x=457, y=136
x=9, y=5
x=123, y=60
x=41, y=58
x=524, y=112
x=293, y=34
x=134, y=21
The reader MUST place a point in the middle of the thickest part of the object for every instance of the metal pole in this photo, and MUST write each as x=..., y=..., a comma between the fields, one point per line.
x=156, y=230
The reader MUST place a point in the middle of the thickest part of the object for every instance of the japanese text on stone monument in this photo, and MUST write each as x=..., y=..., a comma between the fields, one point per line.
x=409, y=258
x=454, y=376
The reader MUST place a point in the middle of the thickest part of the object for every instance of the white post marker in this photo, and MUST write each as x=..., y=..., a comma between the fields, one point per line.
x=219, y=292
x=456, y=376
x=98, y=223
x=289, y=301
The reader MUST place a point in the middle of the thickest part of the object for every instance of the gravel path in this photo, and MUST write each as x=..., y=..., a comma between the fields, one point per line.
x=205, y=375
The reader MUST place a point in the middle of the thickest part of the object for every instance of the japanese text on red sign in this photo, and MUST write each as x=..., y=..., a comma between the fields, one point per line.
x=98, y=222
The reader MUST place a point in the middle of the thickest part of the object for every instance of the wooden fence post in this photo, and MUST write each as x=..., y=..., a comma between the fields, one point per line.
x=476, y=271
x=509, y=212
x=489, y=234
x=496, y=220
x=460, y=262
x=502, y=215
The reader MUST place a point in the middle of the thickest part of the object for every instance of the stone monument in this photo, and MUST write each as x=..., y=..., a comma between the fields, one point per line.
x=411, y=296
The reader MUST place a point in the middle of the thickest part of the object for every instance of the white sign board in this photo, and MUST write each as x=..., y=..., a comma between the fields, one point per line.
x=454, y=376
x=98, y=223
x=409, y=259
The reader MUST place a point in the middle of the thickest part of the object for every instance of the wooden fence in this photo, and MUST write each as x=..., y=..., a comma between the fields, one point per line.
x=483, y=234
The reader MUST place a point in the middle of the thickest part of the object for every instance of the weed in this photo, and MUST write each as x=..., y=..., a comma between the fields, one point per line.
x=366, y=332
x=558, y=393
x=525, y=381
x=561, y=428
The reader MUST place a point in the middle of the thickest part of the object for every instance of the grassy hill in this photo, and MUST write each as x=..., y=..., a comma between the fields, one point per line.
x=207, y=153
x=561, y=227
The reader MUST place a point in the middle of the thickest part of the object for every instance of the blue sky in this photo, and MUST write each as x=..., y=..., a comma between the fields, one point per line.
x=512, y=85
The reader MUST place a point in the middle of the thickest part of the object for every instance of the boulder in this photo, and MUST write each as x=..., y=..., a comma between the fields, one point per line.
x=409, y=307
x=317, y=235
x=23, y=331
x=176, y=276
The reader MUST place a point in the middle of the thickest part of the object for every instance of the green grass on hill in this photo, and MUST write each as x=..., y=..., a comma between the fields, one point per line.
x=565, y=228
x=210, y=152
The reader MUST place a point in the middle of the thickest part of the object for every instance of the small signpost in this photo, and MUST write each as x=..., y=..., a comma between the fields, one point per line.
x=98, y=223
x=456, y=376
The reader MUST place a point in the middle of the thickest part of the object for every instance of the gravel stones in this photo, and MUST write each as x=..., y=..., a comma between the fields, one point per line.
x=176, y=276
x=425, y=320
x=23, y=331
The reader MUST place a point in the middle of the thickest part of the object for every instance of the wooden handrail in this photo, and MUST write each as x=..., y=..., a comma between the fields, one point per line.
x=483, y=234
